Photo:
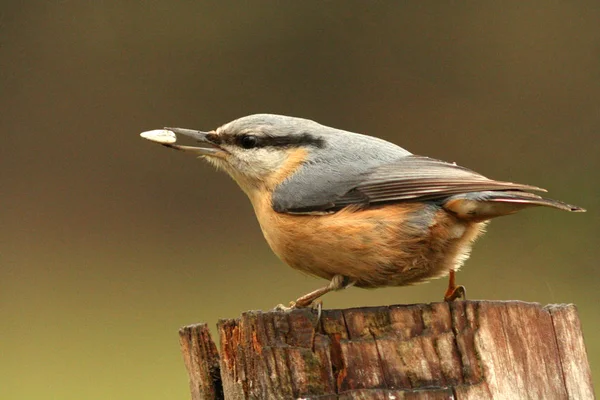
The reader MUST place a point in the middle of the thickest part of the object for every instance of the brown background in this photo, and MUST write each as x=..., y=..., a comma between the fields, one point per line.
x=110, y=243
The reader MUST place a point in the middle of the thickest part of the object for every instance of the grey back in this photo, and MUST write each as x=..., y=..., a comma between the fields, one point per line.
x=332, y=170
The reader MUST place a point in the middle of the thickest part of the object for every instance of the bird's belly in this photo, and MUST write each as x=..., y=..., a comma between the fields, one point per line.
x=390, y=245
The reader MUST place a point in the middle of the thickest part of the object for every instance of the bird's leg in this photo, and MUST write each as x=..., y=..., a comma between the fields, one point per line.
x=454, y=292
x=337, y=282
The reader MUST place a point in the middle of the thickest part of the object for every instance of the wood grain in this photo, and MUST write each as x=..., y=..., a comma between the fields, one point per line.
x=459, y=350
x=201, y=361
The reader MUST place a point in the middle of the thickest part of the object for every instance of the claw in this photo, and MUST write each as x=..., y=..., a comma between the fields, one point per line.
x=318, y=305
x=281, y=307
x=454, y=291
x=458, y=292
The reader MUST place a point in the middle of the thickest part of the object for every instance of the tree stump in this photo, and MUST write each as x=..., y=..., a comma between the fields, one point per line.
x=459, y=350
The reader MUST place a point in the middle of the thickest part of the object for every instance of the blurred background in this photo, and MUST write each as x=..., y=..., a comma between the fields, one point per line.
x=110, y=243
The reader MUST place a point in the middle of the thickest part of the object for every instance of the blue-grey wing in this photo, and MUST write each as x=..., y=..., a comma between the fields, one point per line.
x=401, y=179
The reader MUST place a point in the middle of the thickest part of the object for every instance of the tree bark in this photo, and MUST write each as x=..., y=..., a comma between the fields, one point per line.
x=459, y=350
x=201, y=361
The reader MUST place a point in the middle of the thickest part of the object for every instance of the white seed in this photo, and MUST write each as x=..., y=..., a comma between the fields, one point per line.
x=160, y=136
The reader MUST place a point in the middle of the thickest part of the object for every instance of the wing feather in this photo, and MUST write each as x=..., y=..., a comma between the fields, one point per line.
x=412, y=178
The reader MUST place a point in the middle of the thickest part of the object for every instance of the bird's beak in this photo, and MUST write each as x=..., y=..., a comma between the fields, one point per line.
x=198, y=136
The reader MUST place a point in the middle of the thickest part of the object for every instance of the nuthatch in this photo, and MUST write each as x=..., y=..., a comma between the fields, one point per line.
x=355, y=209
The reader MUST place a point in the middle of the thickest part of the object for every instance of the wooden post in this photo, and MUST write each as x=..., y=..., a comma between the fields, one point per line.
x=459, y=350
x=202, y=362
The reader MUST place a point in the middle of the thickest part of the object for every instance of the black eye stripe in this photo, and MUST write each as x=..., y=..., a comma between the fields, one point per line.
x=244, y=141
x=304, y=139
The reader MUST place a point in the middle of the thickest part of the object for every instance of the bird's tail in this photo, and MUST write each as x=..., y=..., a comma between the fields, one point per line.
x=491, y=204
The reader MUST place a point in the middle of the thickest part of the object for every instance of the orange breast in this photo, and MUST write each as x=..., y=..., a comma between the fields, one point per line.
x=389, y=245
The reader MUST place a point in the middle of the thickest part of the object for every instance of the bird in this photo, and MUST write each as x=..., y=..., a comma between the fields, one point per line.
x=354, y=209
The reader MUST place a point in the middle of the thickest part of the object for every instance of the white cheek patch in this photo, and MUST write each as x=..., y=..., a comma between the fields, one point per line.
x=162, y=136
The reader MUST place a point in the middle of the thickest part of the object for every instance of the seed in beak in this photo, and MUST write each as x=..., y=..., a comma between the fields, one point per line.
x=162, y=136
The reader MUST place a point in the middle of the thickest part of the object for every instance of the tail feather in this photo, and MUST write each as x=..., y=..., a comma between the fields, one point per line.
x=490, y=204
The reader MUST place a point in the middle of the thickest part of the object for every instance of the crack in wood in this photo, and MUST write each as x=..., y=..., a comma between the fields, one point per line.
x=562, y=369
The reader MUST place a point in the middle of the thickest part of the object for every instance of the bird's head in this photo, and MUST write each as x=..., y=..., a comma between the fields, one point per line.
x=258, y=151
x=262, y=152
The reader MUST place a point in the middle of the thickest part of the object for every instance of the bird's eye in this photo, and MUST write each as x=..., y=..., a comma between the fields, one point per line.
x=249, y=141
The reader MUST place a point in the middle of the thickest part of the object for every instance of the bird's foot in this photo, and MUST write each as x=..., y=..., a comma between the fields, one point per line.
x=316, y=305
x=281, y=307
x=456, y=292
x=294, y=305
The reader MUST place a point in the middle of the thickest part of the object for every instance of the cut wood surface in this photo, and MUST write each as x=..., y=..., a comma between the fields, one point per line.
x=458, y=350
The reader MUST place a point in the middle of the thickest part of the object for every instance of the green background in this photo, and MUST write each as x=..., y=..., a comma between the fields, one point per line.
x=109, y=243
